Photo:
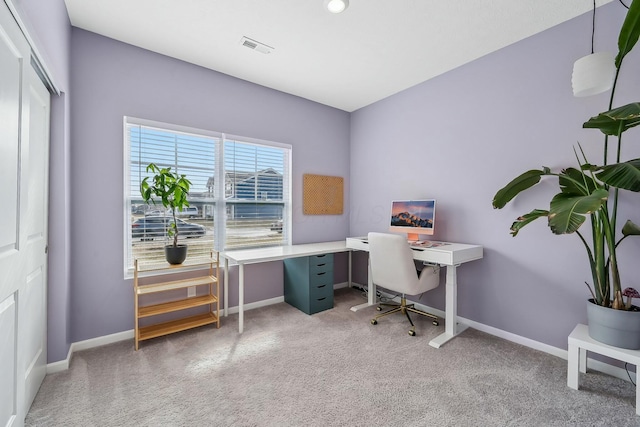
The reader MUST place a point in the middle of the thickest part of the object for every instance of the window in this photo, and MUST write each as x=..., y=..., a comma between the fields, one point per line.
x=251, y=207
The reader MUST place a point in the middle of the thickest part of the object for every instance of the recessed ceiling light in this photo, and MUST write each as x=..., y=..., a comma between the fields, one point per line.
x=336, y=6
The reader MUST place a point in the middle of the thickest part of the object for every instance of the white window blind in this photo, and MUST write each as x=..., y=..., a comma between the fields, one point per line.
x=250, y=209
x=256, y=193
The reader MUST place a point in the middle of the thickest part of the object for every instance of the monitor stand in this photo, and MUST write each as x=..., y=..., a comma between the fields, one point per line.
x=413, y=237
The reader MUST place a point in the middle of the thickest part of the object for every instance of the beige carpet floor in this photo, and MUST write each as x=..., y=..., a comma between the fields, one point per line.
x=330, y=369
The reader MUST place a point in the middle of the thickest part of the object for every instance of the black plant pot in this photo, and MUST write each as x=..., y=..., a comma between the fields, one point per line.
x=175, y=254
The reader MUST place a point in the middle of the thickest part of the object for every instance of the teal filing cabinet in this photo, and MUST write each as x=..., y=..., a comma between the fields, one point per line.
x=308, y=282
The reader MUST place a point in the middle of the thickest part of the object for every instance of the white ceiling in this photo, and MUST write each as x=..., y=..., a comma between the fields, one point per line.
x=372, y=50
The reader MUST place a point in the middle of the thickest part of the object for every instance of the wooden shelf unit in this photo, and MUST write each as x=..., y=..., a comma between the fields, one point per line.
x=159, y=283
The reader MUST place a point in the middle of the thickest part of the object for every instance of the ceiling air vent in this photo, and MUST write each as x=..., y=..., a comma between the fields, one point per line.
x=255, y=45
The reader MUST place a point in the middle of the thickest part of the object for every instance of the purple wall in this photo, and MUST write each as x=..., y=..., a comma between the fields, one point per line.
x=463, y=135
x=458, y=138
x=50, y=29
x=111, y=80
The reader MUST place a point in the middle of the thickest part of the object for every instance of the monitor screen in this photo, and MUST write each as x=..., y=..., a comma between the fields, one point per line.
x=413, y=217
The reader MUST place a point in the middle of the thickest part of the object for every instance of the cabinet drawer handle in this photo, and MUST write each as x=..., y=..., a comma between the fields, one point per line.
x=320, y=299
x=320, y=256
x=321, y=286
x=321, y=265
x=320, y=274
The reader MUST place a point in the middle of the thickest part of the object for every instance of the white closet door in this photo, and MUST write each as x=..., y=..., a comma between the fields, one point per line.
x=23, y=232
x=33, y=301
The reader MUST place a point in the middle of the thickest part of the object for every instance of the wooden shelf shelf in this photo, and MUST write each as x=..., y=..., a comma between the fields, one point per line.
x=176, y=284
x=163, y=266
x=161, y=283
x=165, y=328
x=168, y=307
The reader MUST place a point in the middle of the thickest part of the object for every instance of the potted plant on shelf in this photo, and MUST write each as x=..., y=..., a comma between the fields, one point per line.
x=172, y=189
x=590, y=191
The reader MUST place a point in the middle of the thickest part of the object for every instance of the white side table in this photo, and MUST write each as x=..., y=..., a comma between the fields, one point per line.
x=580, y=342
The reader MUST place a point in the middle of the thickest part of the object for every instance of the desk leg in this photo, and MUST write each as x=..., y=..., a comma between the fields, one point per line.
x=451, y=327
x=371, y=290
x=226, y=287
x=350, y=266
x=240, y=298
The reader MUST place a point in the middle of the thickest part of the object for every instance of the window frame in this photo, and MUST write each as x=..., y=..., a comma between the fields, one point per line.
x=220, y=202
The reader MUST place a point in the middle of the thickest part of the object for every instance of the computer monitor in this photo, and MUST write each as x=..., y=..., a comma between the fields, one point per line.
x=413, y=217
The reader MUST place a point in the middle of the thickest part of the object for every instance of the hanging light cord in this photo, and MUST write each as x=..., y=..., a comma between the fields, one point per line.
x=593, y=25
x=593, y=21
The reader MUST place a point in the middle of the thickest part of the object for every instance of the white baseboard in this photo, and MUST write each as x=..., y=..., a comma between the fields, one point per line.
x=592, y=364
x=341, y=285
x=554, y=351
x=277, y=300
x=257, y=304
x=61, y=365
x=87, y=344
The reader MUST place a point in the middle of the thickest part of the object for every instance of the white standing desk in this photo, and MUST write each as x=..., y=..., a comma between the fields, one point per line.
x=450, y=255
x=277, y=253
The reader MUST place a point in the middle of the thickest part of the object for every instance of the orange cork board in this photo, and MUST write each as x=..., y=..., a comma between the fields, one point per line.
x=322, y=195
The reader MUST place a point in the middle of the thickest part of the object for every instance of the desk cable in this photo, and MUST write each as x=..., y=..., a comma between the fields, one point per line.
x=386, y=299
x=627, y=369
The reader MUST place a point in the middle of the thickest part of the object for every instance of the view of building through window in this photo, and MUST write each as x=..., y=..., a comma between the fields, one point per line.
x=249, y=208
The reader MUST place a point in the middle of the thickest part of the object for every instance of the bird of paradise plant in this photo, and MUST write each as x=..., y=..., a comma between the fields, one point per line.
x=591, y=191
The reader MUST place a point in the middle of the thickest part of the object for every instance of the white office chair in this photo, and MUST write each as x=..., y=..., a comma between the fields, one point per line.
x=393, y=268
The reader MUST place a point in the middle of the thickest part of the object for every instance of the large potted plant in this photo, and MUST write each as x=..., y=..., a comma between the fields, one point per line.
x=172, y=189
x=590, y=192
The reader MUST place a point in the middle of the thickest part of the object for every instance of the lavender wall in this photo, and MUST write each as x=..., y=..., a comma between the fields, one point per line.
x=462, y=136
x=48, y=25
x=112, y=80
x=458, y=137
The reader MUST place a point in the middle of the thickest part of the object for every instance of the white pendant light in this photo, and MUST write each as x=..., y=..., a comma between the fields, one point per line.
x=336, y=6
x=593, y=74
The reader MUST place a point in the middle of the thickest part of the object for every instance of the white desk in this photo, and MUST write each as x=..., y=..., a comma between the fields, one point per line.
x=259, y=255
x=450, y=255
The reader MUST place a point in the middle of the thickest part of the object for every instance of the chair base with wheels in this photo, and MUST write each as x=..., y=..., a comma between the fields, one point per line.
x=404, y=308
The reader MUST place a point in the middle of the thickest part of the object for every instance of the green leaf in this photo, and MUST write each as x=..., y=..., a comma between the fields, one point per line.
x=616, y=121
x=526, y=219
x=567, y=212
x=629, y=32
x=575, y=182
x=518, y=185
x=172, y=189
x=630, y=229
x=622, y=175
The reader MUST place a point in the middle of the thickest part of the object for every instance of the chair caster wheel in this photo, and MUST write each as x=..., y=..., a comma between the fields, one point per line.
x=435, y=323
x=379, y=308
x=412, y=333
x=374, y=322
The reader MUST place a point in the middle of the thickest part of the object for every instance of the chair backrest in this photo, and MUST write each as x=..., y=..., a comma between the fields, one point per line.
x=393, y=268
